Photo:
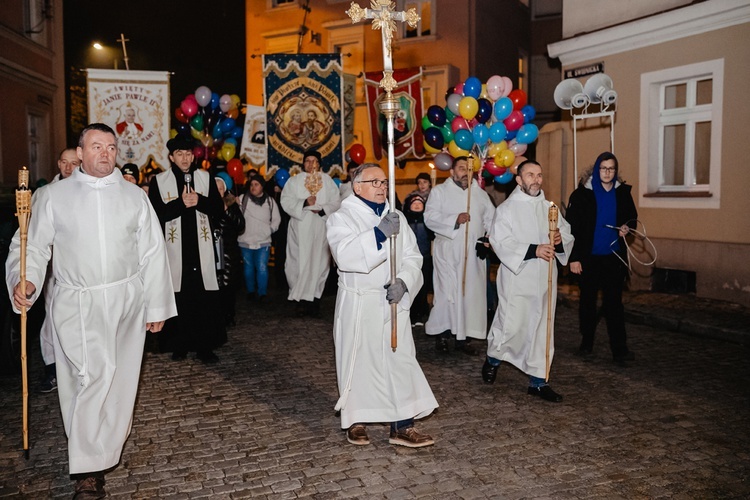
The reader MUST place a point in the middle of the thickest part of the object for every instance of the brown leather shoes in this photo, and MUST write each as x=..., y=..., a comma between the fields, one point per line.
x=89, y=488
x=410, y=437
x=357, y=434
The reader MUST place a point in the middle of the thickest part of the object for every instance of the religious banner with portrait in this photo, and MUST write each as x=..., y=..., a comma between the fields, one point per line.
x=253, y=147
x=303, y=108
x=136, y=105
x=407, y=125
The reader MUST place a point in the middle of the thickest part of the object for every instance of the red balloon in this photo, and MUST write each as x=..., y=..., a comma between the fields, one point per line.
x=189, y=107
x=492, y=168
x=238, y=179
x=198, y=152
x=514, y=120
x=357, y=153
x=459, y=123
x=518, y=98
x=180, y=115
x=235, y=168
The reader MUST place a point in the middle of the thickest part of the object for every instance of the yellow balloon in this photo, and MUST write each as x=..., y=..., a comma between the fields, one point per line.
x=195, y=133
x=468, y=107
x=227, y=151
x=484, y=94
x=455, y=151
x=430, y=149
x=235, y=100
x=172, y=133
x=496, y=147
x=505, y=158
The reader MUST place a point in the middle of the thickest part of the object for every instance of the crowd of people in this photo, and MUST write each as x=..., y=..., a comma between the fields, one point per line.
x=157, y=259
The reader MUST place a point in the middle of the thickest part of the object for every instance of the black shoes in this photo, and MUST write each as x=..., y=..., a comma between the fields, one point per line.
x=208, y=357
x=489, y=372
x=546, y=393
x=624, y=359
x=465, y=347
x=441, y=344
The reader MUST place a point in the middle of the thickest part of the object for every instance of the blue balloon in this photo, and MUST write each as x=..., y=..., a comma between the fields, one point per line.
x=183, y=128
x=281, y=176
x=236, y=132
x=436, y=115
x=227, y=124
x=511, y=135
x=464, y=139
x=231, y=141
x=227, y=179
x=529, y=113
x=434, y=137
x=216, y=133
x=472, y=87
x=215, y=100
x=527, y=133
x=505, y=178
x=337, y=181
x=481, y=133
x=484, y=111
x=497, y=132
x=503, y=108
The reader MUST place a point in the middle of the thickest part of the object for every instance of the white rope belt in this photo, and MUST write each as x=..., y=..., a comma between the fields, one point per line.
x=83, y=375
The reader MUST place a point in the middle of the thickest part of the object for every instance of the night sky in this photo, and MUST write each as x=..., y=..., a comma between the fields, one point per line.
x=201, y=43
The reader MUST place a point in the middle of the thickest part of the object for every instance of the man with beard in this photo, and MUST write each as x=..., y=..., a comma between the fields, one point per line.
x=520, y=238
x=186, y=198
x=458, y=310
x=111, y=286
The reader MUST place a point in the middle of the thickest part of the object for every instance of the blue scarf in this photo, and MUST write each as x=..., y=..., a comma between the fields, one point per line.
x=606, y=215
x=376, y=207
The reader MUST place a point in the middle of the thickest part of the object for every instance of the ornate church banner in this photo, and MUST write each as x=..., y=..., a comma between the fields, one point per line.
x=407, y=126
x=303, y=108
x=253, y=148
x=136, y=105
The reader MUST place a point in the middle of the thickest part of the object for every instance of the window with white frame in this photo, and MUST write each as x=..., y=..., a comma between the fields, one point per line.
x=681, y=135
x=426, y=11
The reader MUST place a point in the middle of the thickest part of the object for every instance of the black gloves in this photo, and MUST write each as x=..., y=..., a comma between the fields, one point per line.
x=482, y=251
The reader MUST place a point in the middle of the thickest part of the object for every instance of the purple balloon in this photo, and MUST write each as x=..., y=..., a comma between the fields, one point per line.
x=443, y=161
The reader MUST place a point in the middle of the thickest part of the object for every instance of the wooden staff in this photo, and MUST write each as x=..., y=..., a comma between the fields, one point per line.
x=23, y=212
x=552, y=230
x=466, y=233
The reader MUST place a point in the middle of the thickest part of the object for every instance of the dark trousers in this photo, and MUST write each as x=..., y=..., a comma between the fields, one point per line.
x=605, y=273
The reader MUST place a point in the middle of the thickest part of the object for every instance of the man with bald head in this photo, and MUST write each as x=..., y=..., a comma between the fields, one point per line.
x=375, y=383
x=66, y=163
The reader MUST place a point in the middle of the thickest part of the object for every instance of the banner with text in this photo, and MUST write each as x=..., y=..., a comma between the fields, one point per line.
x=303, y=108
x=253, y=148
x=407, y=125
x=136, y=105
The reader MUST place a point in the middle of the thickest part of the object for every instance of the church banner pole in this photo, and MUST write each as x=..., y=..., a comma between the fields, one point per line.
x=552, y=217
x=384, y=18
x=23, y=212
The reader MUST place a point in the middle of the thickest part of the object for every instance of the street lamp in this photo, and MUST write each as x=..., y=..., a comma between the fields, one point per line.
x=101, y=55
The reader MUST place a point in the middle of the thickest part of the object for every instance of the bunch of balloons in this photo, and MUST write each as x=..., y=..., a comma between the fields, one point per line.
x=492, y=121
x=211, y=119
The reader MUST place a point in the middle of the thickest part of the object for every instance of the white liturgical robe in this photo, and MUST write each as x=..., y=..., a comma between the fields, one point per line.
x=375, y=384
x=308, y=259
x=111, y=278
x=464, y=313
x=518, y=333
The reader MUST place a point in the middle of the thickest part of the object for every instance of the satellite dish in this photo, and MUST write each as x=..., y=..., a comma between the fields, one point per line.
x=569, y=94
x=598, y=89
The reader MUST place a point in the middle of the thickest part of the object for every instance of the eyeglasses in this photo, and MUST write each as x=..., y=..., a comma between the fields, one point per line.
x=376, y=183
x=607, y=169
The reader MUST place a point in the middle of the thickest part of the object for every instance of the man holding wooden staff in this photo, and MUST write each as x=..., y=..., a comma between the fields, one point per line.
x=112, y=284
x=521, y=333
x=459, y=212
x=376, y=383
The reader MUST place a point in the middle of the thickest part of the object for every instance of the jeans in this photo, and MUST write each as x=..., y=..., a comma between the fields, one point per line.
x=255, y=263
x=533, y=381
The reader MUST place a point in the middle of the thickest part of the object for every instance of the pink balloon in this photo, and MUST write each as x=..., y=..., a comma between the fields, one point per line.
x=189, y=107
x=191, y=97
x=460, y=123
x=507, y=86
x=459, y=89
x=514, y=120
x=518, y=149
x=495, y=87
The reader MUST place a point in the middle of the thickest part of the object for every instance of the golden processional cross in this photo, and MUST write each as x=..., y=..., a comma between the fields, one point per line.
x=384, y=17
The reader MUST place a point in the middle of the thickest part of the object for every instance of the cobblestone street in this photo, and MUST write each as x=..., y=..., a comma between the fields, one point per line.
x=261, y=423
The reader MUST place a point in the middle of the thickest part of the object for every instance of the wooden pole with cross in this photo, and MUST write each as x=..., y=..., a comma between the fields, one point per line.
x=384, y=17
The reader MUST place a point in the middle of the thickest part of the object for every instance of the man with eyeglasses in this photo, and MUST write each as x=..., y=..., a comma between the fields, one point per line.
x=457, y=309
x=520, y=238
x=375, y=383
x=309, y=198
x=601, y=212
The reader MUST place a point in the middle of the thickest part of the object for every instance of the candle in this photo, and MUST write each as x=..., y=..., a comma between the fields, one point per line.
x=433, y=174
x=23, y=178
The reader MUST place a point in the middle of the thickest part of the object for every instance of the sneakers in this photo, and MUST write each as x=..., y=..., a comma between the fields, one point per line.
x=89, y=488
x=357, y=434
x=410, y=438
x=49, y=384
